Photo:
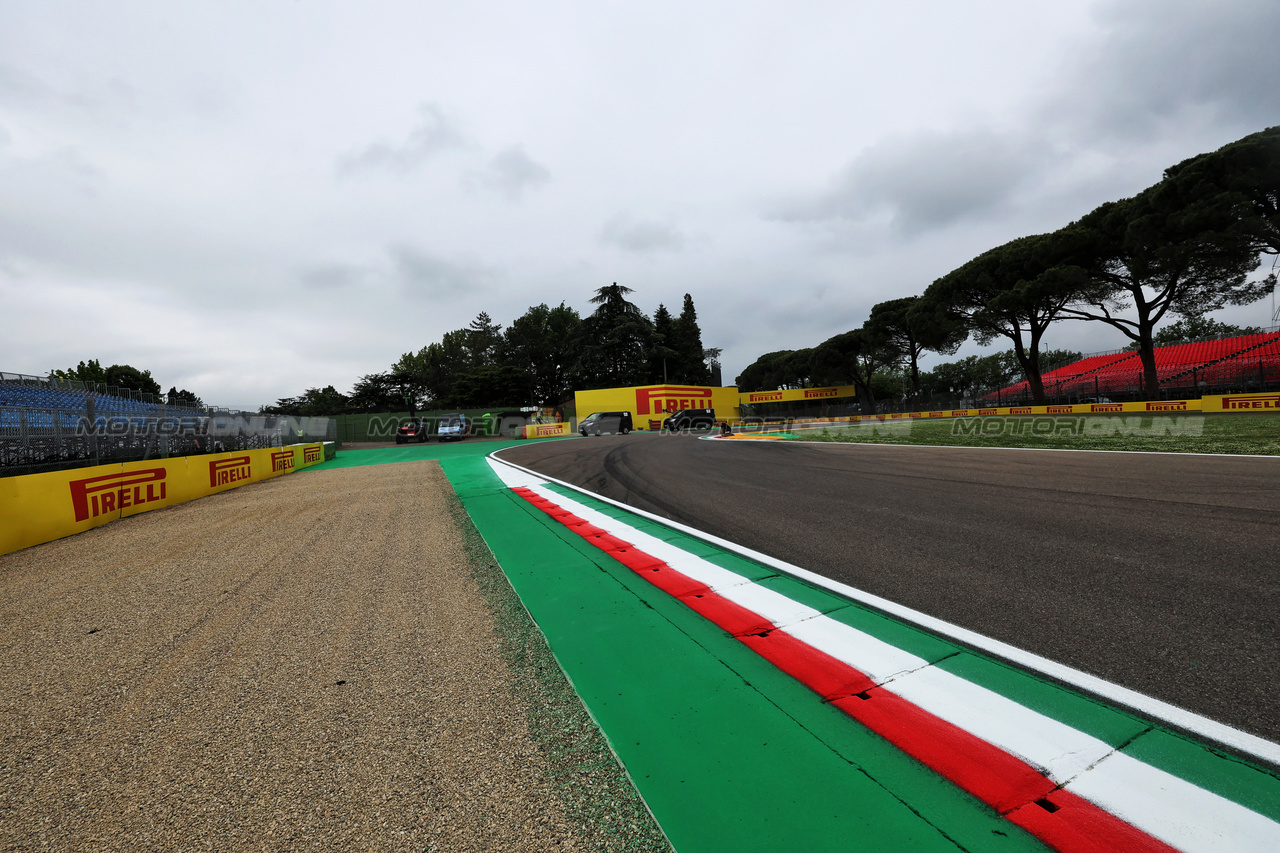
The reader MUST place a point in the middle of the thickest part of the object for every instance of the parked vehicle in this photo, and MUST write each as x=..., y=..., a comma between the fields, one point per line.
x=453, y=427
x=597, y=423
x=690, y=419
x=414, y=429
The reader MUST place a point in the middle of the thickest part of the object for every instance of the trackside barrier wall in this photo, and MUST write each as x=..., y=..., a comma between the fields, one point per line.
x=1242, y=403
x=790, y=395
x=1142, y=407
x=1211, y=403
x=546, y=430
x=656, y=401
x=39, y=508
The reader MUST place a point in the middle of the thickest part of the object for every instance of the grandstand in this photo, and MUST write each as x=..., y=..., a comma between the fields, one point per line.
x=48, y=423
x=1221, y=365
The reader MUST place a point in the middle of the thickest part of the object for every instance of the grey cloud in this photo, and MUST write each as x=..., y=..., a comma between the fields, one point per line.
x=16, y=84
x=641, y=236
x=922, y=182
x=1163, y=61
x=334, y=277
x=511, y=172
x=434, y=134
x=109, y=96
x=428, y=276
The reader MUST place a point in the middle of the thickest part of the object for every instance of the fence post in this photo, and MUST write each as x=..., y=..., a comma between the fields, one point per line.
x=92, y=425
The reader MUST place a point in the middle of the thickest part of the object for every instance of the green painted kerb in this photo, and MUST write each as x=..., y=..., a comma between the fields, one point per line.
x=728, y=752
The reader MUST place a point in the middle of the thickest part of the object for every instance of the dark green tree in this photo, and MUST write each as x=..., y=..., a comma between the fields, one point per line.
x=972, y=376
x=313, y=402
x=90, y=371
x=484, y=341
x=711, y=355
x=283, y=406
x=855, y=358
x=1200, y=329
x=489, y=386
x=913, y=333
x=323, y=401
x=541, y=343
x=664, y=359
x=780, y=369
x=432, y=370
x=1014, y=291
x=617, y=339
x=127, y=377
x=1245, y=176
x=376, y=392
x=183, y=399
x=1161, y=252
x=686, y=340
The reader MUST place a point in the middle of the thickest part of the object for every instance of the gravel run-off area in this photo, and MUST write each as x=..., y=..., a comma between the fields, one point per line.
x=324, y=661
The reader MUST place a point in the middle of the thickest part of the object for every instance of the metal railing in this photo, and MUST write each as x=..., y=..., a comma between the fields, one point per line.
x=47, y=438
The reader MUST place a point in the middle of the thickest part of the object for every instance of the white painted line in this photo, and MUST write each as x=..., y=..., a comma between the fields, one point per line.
x=1159, y=803
x=1175, y=811
x=717, y=578
x=873, y=657
x=1156, y=709
x=1057, y=749
x=514, y=477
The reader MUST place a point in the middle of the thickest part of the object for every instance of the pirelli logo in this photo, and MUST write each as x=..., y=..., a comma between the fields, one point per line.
x=1106, y=407
x=1058, y=410
x=988, y=411
x=1253, y=401
x=1175, y=406
x=671, y=398
x=548, y=429
x=281, y=460
x=310, y=454
x=959, y=413
x=224, y=472
x=1020, y=410
x=764, y=397
x=95, y=496
x=819, y=393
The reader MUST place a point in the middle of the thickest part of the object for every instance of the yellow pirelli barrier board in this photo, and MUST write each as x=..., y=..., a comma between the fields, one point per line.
x=834, y=392
x=654, y=402
x=1256, y=403
x=1142, y=407
x=39, y=508
x=545, y=430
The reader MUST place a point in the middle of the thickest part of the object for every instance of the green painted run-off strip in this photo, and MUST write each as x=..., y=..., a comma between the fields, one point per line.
x=731, y=754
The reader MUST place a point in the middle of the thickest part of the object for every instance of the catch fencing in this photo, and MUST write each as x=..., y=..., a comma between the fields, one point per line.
x=47, y=425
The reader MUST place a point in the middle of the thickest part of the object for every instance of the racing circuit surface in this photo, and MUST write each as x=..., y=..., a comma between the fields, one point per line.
x=1154, y=571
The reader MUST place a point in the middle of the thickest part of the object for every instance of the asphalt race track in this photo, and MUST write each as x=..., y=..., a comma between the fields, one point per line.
x=1159, y=572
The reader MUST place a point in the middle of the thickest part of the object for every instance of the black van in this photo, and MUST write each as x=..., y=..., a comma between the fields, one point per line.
x=600, y=422
x=690, y=419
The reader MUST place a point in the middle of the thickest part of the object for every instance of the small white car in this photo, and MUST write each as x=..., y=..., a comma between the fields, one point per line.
x=453, y=427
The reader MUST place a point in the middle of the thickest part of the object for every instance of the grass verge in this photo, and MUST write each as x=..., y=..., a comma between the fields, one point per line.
x=1173, y=433
x=597, y=795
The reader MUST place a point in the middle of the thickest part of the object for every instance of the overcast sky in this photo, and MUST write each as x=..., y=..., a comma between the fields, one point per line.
x=250, y=199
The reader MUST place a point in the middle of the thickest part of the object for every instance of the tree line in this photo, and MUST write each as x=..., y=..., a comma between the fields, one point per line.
x=539, y=359
x=1184, y=247
x=128, y=378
